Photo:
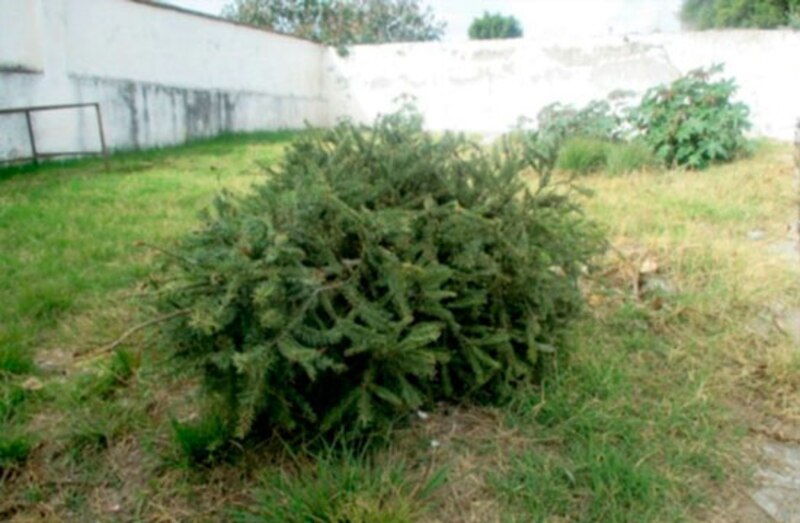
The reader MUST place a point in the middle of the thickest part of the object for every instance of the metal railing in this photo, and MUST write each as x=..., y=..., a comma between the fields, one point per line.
x=36, y=154
x=797, y=178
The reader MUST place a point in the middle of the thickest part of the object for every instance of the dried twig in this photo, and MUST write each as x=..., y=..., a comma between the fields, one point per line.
x=162, y=250
x=128, y=333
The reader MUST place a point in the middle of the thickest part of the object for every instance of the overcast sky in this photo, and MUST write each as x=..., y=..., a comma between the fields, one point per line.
x=543, y=18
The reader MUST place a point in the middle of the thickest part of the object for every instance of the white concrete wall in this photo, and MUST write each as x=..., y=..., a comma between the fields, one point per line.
x=20, y=37
x=765, y=64
x=161, y=76
x=487, y=86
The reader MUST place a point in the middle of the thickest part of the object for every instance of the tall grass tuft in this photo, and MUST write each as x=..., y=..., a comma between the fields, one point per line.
x=345, y=485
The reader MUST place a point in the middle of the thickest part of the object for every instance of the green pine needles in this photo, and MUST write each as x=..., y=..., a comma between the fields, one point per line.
x=377, y=270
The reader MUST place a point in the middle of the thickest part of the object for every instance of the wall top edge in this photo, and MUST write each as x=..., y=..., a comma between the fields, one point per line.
x=189, y=12
x=589, y=39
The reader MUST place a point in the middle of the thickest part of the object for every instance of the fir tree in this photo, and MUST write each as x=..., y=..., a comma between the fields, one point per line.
x=377, y=270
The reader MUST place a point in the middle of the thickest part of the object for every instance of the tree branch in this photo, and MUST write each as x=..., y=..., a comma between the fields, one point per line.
x=128, y=333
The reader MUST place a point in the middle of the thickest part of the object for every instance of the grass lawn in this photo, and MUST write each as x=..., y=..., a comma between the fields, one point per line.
x=677, y=369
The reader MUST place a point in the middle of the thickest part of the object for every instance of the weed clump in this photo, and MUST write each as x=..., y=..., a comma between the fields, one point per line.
x=14, y=450
x=599, y=120
x=377, y=270
x=345, y=485
x=628, y=157
x=14, y=358
x=15, y=443
x=202, y=441
x=583, y=155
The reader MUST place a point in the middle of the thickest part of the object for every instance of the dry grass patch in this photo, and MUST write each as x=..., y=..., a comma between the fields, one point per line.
x=713, y=235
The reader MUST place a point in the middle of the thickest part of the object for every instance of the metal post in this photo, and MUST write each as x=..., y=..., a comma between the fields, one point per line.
x=102, y=134
x=797, y=178
x=36, y=154
x=32, y=138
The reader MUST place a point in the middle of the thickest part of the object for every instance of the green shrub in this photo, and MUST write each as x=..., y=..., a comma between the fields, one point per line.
x=628, y=157
x=596, y=120
x=583, y=155
x=494, y=27
x=693, y=121
x=377, y=270
x=764, y=14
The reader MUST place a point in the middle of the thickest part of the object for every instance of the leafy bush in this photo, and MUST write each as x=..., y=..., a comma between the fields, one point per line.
x=596, y=120
x=764, y=14
x=495, y=27
x=583, y=155
x=693, y=121
x=377, y=270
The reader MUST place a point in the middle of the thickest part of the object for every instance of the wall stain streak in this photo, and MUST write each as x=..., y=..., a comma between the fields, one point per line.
x=157, y=114
x=127, y=94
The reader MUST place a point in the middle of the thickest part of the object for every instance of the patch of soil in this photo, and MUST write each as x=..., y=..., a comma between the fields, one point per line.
x=778, y=479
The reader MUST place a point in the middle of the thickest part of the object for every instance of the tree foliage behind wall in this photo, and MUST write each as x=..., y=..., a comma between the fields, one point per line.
x=495, y=27
x=341, y=22
x=764, y=14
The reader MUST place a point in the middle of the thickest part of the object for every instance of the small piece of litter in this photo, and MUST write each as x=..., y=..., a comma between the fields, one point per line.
x=32, y=384
x=648, y=266
x=421, y=414
x=435, y=443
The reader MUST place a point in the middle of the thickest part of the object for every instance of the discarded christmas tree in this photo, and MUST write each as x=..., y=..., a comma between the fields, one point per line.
x=377, y=270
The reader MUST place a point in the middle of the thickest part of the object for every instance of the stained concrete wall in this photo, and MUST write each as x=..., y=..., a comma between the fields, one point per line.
x=487, y=86
x=20, y=37
x=161, y=76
